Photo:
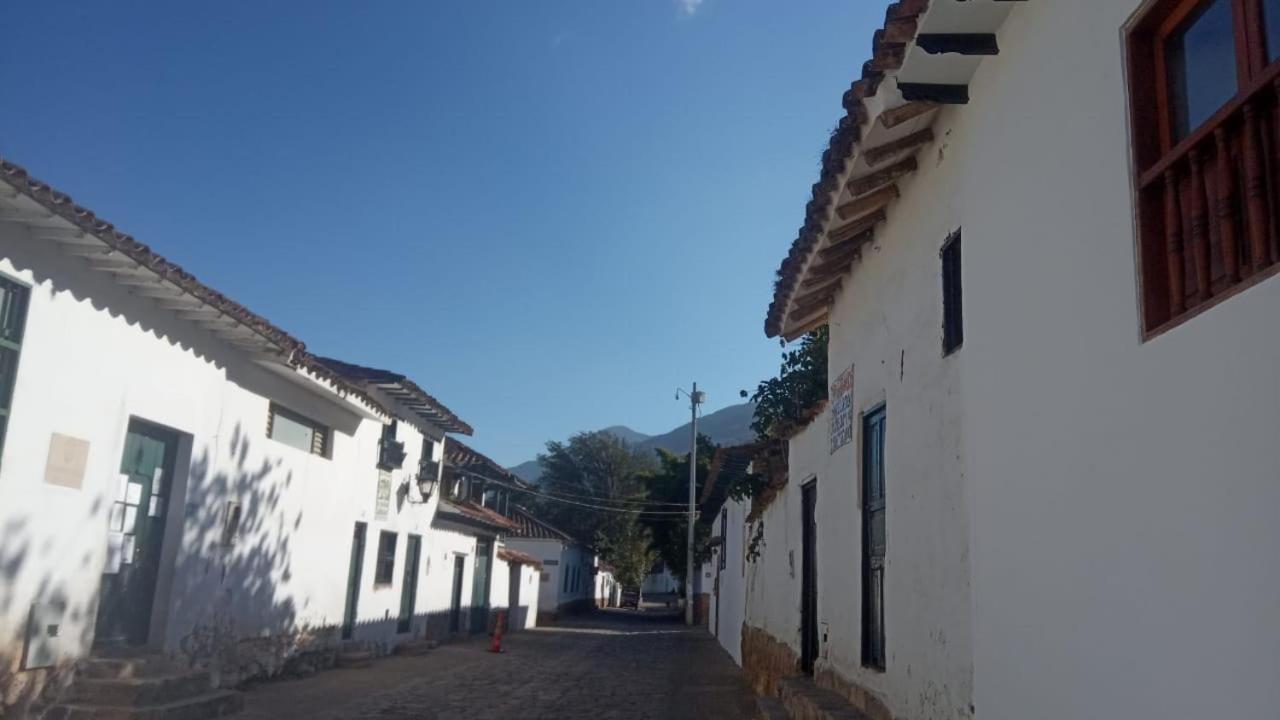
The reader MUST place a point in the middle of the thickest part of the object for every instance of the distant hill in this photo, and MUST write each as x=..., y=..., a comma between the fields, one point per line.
x=729, y=426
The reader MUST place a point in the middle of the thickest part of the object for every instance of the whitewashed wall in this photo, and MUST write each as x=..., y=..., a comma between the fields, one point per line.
x=93, y=356
x=557, y=560
x=887, y=325
x=731, y=598
x=1125, y=492
x=525, y=615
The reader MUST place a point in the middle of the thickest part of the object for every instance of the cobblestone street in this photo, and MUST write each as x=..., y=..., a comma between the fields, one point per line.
x=613, y=664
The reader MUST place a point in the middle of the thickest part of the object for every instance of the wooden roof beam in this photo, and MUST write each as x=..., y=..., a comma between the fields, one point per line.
x=895, y=116
x=855, y=228
x=878, y=179
x=880, y=153
x=959, y=43
x=807, y=326
x=942, y=94
x=829, y=291
x=868, y=204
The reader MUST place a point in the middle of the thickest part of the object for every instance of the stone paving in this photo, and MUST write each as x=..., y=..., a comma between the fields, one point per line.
x=618, y=665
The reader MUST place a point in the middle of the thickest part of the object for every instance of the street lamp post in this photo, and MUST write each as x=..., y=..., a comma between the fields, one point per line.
x=695, y=399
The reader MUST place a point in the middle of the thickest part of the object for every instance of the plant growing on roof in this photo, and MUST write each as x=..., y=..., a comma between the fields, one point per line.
x=801, y=384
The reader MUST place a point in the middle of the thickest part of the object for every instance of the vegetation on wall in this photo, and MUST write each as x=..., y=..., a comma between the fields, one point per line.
x=784, y=402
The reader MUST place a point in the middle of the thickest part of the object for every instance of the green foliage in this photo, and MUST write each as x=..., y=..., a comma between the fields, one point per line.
x=632, y=556
x=670, y=484
x=593, y=469
x=756, y=545
x=801, y=384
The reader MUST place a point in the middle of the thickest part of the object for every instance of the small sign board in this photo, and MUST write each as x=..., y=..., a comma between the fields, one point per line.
x=66, y=463
x=383, y=505
x=842, y=410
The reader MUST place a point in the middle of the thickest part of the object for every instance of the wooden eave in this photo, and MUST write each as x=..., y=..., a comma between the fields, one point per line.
x=923, y=59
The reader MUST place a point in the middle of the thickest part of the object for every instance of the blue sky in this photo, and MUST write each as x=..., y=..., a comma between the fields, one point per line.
x=549, y=214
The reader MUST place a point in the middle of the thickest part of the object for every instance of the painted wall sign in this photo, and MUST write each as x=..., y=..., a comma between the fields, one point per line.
x=66, y=462
x=383, y=506
x=842, y=410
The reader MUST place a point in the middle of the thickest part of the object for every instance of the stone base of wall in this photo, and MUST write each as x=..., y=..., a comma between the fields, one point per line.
x=766, y=660
x=858, y=696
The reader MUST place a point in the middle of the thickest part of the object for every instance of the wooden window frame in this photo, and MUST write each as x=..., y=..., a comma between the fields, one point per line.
x=952, y=257
x=14, y=343
x=321, y=434
x=387, y=579
x=1207, y=204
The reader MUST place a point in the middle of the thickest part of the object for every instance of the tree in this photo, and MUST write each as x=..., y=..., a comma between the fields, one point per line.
x=668, y=486
x=592, y=488
x=632, y=557
x=801, y=384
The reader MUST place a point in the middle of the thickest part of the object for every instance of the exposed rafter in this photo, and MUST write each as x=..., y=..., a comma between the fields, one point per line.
x=867, y=204
x=960, y=43
x=878, y=179
x=944, y=94
x=880, y=153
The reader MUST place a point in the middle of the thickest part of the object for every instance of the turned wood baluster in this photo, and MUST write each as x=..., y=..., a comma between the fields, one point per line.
x=1255, y=182
x=1199, y=229
x=1272, y=229
x=1173, y=244
x=1223, y=209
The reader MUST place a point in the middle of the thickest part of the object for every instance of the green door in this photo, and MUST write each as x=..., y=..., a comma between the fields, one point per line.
x=480, y=588
x=409, y=588
x=354, y=570
x=135, y=536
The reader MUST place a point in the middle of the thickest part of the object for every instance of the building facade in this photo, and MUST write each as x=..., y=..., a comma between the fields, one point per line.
x=1044, y=458
x=182, y=478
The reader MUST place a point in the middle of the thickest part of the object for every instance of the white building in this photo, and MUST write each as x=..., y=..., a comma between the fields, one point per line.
x=1055, y=497
x=181, y=477
x=567, y=583
x=517, y=579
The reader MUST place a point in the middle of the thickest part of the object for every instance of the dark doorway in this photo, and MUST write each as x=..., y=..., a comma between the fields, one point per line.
x=455, y=602
x=480, y=588
x=809, y=577
x=355, y=570
x=409, y=588
x=136, y=535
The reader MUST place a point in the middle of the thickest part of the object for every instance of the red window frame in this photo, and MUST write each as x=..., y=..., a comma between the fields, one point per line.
x=1208, y=202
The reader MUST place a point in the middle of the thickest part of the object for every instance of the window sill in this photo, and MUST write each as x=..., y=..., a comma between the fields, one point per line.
x=1211, y=303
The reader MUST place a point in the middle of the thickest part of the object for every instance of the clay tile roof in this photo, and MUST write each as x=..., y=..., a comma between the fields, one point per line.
x=515, y=556
x=528, y=526
x=728, y=466
x=63, y=206
x=461, y=456
x=476, y=513
x=887, y=48
x=402, y=388
x=290, y=350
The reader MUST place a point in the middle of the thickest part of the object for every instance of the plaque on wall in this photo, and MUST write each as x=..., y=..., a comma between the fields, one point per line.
x=68, y=457
x=383, y=505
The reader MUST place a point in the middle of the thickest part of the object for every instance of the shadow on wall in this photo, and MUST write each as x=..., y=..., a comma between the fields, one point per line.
x=229, y=609
x=19, y=557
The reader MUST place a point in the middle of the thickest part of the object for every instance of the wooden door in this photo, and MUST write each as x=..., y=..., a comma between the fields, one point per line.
x=409, y=588
x=809, y=578
x=455, y=603
x=354, y=571
x=136, y=536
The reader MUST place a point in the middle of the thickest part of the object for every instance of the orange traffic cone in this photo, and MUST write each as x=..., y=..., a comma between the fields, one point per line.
x=495, y=640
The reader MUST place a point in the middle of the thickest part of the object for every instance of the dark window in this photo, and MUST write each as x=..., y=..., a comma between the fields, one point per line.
x=565, y=570
x=385, y=570
x=873, y=538
x=13, y=322
x=1201, y=60
x=952, y=315
x=297, y=430
x=1202, y=95
x=724, y=537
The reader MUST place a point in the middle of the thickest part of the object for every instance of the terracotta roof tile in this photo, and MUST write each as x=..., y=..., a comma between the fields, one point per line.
x=515, y=556
x=900, y=25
